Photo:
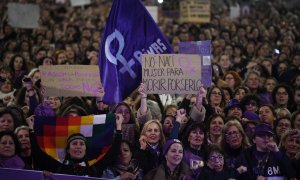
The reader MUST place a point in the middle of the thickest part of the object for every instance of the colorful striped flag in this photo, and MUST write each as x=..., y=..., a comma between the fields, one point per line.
x=52, y=133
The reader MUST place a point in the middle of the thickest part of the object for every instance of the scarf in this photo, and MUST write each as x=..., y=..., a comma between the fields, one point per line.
x=12, y=162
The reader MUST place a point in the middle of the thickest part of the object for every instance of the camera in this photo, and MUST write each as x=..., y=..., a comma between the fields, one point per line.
x=276, y=51
x=26, y=80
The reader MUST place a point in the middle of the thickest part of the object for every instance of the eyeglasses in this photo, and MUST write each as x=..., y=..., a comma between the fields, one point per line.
x=216, y=158
x=232, y=134
x=252, y=103
x=216, y=93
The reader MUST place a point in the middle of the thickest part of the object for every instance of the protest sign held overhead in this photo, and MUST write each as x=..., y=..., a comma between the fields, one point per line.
x=195, y=11
x=130, y=32
x=202, y=48
x=23, y=15
x=71, y=80
x=171, y=73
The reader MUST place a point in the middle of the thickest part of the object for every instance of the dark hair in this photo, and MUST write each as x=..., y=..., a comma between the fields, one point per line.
x=213, y=148
x=211, y=118
x=11, y=134
x=69, y=140
x=17, y=123
x=288, y=90
x=247, y=98
x=11, y=63
x=223, y=102
x=293, y=118
x=192, y=127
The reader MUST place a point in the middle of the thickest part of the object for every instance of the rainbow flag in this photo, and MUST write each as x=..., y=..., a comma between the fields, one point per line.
x=52, y=133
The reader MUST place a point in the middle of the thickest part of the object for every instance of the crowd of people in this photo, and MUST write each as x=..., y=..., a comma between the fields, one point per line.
x=245, y=126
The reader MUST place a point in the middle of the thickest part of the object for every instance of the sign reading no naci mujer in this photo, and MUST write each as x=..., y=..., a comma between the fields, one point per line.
x=171, y=73
x=71, y=80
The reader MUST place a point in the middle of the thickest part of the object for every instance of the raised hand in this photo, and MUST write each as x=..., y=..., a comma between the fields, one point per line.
x=143, y=142
x=119, y=121
x=200, y=96
x=142, y=90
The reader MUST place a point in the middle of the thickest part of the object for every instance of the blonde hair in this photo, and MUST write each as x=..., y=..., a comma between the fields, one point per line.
x=237, y=124
x=162, y=136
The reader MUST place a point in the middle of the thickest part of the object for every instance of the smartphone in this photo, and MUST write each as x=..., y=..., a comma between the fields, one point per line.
x=276, y=51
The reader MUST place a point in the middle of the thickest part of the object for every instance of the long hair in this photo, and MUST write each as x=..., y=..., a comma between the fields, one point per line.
x=245, y=141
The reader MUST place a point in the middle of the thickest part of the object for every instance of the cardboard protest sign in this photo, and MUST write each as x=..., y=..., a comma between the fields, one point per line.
x=171, y=73
x=153, y=10
x=71, y=80
x=235, y=11
x=23, y=15
x=202, y=48
x=195, y=11
x=80, y=2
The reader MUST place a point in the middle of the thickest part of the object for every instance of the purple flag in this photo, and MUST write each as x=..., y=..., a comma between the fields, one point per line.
x=130, y=32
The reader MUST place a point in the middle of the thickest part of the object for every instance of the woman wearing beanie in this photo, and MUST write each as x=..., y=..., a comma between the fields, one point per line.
x=172, y=166
x=76, y=160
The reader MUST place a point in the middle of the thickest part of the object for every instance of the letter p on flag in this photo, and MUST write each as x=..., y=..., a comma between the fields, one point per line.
x=129, y=29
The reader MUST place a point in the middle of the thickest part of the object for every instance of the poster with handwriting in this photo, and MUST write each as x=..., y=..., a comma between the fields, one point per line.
x=71, y=80
x=171, y=73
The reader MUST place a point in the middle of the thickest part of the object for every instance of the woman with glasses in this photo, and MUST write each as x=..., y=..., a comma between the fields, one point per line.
x=282, y=96
x=282, y=125
x=250, y=103
x=234, y=141
x=215, y=168
x=264, y=159
x=216, y=101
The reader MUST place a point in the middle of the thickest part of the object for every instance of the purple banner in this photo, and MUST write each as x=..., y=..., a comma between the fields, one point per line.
x=203, y=48
x=12, y=174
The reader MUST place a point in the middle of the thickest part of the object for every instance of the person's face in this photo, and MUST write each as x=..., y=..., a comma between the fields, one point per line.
x=283, y=125
x=125, y=154
x=168, y=125
x=196, y=138
x=125, y=112
x=23, y=138
x=216, y=161
x=36, y=76
x=18, y=64
x=253, y=81
x=233, y=137
x=297, y=97
x=47, y=61
x=281, y=68
x=6, y=123
x=266, y=115
x=152, y=133
x=292, y=145
x=235, y=112
x=61, y=58
x=229, y=79
x=174, y=155
x=216, y=96
x=226, y=95
x=224, y=61
x=54, y=102
x=251, y=106
x=268, y=66
x=216, y=126
x=240, y=94
x=77, y=149
x=249, y=130
x=171, y=111
x=269, y=85
x=282, y=96
x=261, y=140
x=7, y=146
x=297, y=122
x=6, y=87
x=297, y=81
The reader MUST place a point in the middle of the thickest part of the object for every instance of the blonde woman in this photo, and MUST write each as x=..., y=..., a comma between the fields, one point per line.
x=234, y=141
x=151, y=141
